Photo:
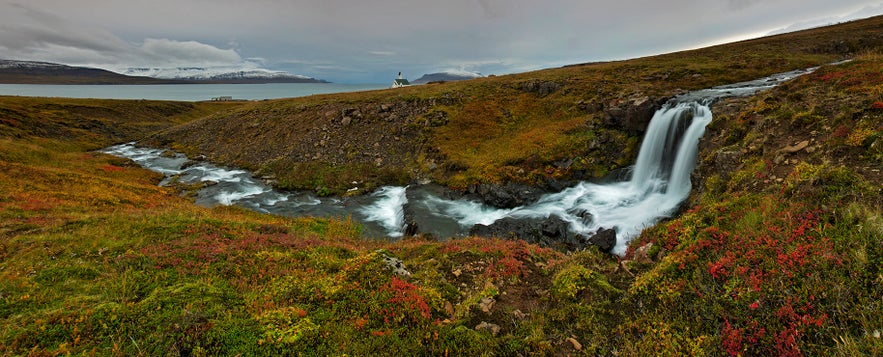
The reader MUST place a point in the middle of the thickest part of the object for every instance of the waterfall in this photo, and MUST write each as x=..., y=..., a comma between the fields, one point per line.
x=388, y=209
x=659, y=183
x=668, y=153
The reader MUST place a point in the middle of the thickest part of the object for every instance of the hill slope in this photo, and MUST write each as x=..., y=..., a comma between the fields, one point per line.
x=577, y=122
x=446, y=77
x=778, y=251
x=221, y=75
x=25, y=72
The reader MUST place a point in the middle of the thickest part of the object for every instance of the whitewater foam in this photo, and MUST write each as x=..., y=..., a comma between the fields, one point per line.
x=659, y=182
x=388, y=209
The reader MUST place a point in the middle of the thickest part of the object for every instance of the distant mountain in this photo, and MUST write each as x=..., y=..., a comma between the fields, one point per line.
x=27, y=72
x=221, y=75
x=447, y=77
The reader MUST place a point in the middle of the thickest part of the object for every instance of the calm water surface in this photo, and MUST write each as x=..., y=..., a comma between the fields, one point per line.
x=183, y=92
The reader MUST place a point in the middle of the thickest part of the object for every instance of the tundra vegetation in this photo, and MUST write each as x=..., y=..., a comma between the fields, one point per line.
x=777, y=252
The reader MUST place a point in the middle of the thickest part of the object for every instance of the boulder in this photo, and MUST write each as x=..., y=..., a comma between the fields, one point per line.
x=790, y=149
x=486, y=304
x=642, y=254
x=541, y=88
x=396, y=265
x=549, y=232
x=493, y=329
x=632, y=114
x=510, y=195
x=604, y=239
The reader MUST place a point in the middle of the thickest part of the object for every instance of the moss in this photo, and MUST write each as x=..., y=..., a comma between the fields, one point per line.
x=575, y=279
x=97, y=260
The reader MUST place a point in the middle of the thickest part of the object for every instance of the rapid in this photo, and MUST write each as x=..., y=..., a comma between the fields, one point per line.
x=655, y=187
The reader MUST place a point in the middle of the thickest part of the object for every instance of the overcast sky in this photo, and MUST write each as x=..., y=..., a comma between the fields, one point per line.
x=370, y=41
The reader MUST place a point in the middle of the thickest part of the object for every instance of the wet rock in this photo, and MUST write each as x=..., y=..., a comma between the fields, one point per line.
x=510, y=195
x=584, y=215
x=188, y=164
x=493, y=329
x=410, y=223
x=548, y=232
x=604, y=239
x=632, y=114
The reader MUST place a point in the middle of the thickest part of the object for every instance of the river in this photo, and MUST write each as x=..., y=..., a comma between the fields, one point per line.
x=659, y=182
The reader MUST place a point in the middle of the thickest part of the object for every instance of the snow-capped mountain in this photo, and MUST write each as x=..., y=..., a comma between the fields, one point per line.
x=7, y=64
x=53, y=73
x=31, y=72
x=219, y=74
x=447, y=76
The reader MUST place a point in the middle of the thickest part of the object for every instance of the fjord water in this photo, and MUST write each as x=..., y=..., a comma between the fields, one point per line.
x=183, y=92
x=658, y=184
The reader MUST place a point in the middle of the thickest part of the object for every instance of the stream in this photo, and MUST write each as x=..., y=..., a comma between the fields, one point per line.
x=658, y=183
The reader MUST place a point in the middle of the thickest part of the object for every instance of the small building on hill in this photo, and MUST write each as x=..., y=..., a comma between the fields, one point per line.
x=400, y=82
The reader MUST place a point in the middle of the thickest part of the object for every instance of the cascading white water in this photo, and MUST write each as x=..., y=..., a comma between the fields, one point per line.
x=388, y=209
x=669, y=150
x=660, y=181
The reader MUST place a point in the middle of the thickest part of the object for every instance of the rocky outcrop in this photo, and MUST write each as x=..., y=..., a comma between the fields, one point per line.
x=553, y=232
x=632, y=114
x=540, y=88
x=321, y=146
x=549, y=232
x=510, y=195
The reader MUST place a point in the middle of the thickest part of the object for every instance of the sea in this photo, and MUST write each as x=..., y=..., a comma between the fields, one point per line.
x=184, y=92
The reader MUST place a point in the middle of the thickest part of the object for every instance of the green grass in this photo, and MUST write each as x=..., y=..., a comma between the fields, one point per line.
x=775, y=254
x=497, y=129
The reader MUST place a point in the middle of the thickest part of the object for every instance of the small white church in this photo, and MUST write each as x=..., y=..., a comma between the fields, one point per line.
x=400, y=82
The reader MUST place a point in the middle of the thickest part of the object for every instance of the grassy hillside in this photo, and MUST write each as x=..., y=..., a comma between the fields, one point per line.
x=575, y=122
x=781, y=250
x=778, y=251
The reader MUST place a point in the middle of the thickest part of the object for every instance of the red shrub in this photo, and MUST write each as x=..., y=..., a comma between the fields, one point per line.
x=111, y=168
x=731, y=338
x=406, y=300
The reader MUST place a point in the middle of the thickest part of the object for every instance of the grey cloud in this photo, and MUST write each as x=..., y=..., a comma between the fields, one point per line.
x=25, y=27
x=31, y=34
x=364, y=41
x=742, y=4
x=181, y=53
